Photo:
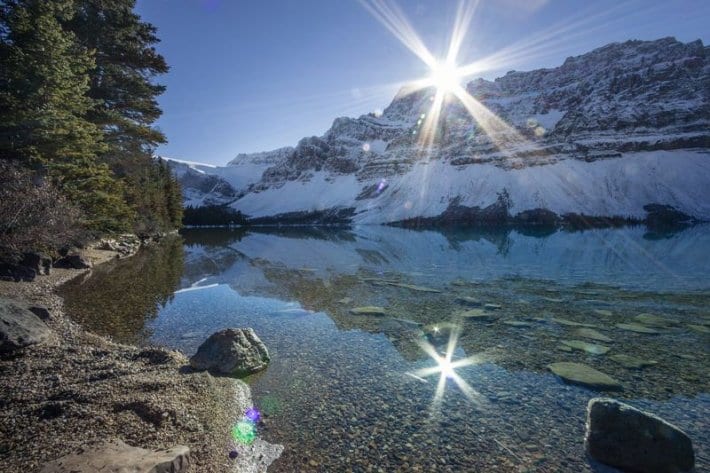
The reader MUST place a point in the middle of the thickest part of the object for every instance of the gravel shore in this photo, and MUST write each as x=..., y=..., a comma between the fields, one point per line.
x=80, y=389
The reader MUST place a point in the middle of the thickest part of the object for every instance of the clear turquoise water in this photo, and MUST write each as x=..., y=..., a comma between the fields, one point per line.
x=342, y=392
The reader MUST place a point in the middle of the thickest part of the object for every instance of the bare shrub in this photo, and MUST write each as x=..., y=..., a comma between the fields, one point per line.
x=33, y=214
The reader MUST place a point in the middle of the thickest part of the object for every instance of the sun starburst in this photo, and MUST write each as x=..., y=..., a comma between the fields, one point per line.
x=446, y=368
x=445, y=76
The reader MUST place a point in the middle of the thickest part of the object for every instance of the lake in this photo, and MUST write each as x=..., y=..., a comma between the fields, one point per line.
x=374, y=391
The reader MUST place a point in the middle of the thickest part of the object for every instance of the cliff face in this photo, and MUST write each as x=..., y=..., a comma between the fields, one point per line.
x=622, y=131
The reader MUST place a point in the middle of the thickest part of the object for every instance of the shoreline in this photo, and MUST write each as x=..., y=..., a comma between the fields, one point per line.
x=79, y=389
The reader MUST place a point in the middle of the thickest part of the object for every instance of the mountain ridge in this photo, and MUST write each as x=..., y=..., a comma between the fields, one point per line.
x=606, y=134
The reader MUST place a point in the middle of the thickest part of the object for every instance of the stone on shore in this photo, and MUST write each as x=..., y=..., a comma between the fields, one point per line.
x=630, y=439
x=369, y=310
x=19, y=327
x=117, y=456
x=236, y=352
x=583, y=375
x=73, y=261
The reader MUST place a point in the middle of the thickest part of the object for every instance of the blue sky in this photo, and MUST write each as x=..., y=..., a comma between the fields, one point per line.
x=254, y=75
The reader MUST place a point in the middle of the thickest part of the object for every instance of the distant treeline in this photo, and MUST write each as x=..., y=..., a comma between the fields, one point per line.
x=213, y=215
x=77, y=106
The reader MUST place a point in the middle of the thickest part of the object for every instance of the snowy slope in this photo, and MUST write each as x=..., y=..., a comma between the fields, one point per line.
x=605, y=134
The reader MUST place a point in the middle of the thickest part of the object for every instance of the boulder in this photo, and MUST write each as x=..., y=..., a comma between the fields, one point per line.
x=19, y=327
x=73, y=261
x=233, y=352
x=40, y=263
x=40, y=311
x=628, y=438
x=116, y=457
x=15, y=272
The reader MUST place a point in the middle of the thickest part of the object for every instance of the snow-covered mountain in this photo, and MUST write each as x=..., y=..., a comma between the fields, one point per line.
x=622, y=131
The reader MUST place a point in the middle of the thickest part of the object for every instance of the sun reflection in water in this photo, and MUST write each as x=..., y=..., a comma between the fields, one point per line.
x=446, y=367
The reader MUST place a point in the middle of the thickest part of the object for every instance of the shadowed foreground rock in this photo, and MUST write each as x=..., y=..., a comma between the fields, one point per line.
x=627, y=438
x=117, y=456
x=232, y=351
x=19, y=327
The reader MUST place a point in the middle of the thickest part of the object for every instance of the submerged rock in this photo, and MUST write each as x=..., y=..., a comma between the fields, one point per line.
x=232, y=351
x=479, y=315
x=603, y=312
x=399, y=328
x=592, y=334
x=637, y=328
x=369, y=310
x=468, y=301
x=583, y=375
x=571, y=323
x=699, y=328
x=654, y=320
x=628, y=438
x=518, y=323
x=441, y=332
x=118, y=456
x=631, y=362
x=19, y=327
x=590, y=348
x=412, y=287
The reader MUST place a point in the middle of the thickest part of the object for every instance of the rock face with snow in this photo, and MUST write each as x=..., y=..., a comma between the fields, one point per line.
x=622, y=131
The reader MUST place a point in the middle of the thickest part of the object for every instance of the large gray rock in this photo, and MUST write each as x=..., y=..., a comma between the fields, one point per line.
x=19, y=327
x=232, y=351
x=118, y=457
x=627, y=438
x=74, y=261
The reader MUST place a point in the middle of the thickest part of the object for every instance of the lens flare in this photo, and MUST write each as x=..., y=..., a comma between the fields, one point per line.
x=244, y=432
x=446, y=367
x=253, y=414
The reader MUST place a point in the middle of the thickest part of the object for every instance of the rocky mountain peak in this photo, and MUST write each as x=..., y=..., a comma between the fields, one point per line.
x=619, y=103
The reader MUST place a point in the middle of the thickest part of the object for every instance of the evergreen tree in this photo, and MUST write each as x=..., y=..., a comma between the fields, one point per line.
x=122, y=82
x=44, y=105
x=126, y=62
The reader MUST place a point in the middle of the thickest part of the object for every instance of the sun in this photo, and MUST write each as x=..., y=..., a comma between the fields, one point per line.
x=445, y=77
